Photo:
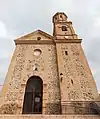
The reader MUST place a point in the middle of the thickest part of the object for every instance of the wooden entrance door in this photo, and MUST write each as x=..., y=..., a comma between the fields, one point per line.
x=33, y=96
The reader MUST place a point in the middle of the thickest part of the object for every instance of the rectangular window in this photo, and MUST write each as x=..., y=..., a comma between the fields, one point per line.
x=66, y=53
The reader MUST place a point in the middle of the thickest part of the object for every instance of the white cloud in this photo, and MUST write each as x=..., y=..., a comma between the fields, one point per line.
x=3, y=31
x=97, y=22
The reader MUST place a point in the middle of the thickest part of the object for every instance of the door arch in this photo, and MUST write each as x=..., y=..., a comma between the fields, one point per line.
x=33, y=96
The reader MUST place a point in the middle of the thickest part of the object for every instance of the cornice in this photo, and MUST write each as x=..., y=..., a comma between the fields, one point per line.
x=33, y=42
x=47, y=41
x=68, y=41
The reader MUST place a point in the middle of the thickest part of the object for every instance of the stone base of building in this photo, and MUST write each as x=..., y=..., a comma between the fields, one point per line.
x=49, y=117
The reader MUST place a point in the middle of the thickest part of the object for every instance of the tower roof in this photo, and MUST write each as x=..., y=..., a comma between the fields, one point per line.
x=60, y=17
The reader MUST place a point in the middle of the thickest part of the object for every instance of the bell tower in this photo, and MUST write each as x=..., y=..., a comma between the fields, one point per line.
x=76, y=80
x=62, y=27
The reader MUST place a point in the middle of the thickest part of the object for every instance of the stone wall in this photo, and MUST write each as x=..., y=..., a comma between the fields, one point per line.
x=22, y=68
x=76, y=80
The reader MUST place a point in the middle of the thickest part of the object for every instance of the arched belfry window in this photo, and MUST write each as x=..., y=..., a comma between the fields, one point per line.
x=64, y=28
x=33, y=96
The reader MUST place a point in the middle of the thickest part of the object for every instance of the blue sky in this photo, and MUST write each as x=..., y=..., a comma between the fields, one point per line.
x=18, y=17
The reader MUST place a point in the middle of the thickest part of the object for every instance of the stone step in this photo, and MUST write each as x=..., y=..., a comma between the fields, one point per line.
x=39, y=116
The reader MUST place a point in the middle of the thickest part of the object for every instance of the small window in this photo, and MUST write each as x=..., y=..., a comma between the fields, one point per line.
x=36, y=69
x=61, y=79
x=37, y=52
x=66, y=53
x=55, y=18
x=64, y=28
x=71, y=81
x=60, y=16
x=38, y=38
x=61, y=74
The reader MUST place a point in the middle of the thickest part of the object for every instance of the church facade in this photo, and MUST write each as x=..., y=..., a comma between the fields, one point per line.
x=49, y=74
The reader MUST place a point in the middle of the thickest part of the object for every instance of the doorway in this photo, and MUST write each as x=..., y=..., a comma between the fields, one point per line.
x=33, y=96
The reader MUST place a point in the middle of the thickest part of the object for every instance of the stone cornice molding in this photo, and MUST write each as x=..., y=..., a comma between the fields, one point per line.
x=47, y=42
x=33, y=42
x=68, y=41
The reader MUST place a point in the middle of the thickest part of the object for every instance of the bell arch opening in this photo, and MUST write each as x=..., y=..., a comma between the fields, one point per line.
x=33, y=96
